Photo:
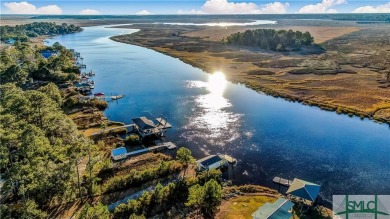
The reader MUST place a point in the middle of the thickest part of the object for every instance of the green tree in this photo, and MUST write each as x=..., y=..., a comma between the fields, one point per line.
x=96, y=211
x=52, y=91
x=184, y=156
x=211, y=198
x=195, y=197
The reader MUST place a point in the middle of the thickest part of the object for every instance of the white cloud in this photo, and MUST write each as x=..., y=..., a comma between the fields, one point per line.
x=371, y=9
x=143, y=12
x=27, y=8
x=322, y=7
x=226, y=7
x=89, y=12
x=193, y=11
x=331, y=11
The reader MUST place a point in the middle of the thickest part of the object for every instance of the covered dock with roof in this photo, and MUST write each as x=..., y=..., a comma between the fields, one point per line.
x=305, y=190
x=146, y=127
x=215, y=162
x=280, y=209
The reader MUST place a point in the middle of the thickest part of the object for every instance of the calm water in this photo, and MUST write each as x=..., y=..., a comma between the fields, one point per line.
x=269, y=136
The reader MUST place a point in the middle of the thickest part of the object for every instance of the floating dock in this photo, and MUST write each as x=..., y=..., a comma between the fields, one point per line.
x=121, y=153
x=281, y=181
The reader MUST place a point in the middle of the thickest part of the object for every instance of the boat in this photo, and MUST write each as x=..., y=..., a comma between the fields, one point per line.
x=98, y=94
x=117, y=97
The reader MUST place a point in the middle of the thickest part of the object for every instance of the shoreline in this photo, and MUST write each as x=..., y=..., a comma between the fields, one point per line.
x=267, y=91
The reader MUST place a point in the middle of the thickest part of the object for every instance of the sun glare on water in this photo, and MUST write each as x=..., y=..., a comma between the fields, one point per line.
x=217, y=83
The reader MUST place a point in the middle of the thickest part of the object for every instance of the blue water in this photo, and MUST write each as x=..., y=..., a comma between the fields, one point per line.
x=269, y=136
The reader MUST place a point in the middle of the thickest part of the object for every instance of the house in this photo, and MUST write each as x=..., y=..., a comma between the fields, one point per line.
x=10, y=41
x=280, y=209
x=48, y=53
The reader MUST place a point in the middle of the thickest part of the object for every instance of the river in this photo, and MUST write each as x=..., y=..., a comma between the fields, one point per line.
x=269, y=136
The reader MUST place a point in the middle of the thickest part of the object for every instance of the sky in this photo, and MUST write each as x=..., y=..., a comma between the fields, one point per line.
x=145, y=7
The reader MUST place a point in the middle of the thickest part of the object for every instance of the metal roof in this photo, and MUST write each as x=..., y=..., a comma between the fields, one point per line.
x=277, y=210
x=144, y=123
x=303, y=189
x=119, y=151
x=209, y=160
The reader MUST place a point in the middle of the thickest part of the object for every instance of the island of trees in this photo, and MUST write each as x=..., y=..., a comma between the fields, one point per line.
x=270, y=39
x=23, y=32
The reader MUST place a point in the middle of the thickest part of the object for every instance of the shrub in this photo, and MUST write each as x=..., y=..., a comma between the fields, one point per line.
x=132, y=139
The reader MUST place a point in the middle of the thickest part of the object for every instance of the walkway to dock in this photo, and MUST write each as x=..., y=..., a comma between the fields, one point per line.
x=111, y=129
x=121, y=153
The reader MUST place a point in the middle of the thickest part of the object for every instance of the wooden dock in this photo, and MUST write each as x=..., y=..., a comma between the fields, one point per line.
x=281, y=181
x=121, y=153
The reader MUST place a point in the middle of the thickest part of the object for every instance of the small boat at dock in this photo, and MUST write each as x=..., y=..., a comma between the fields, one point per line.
x=98, y=94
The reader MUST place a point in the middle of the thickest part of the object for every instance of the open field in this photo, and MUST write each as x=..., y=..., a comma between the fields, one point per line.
x=349, y=76
x=242, y=207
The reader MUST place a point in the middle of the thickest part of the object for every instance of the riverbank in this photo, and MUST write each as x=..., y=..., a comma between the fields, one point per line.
x=347, y=78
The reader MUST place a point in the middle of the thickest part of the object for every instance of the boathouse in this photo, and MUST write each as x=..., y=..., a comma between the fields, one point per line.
x=214, y=162
x=280, y=209
x=304, y=190
x=146, y=127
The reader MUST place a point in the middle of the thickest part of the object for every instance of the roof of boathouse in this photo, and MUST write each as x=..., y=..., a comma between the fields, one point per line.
x=209, y=160
x=303, y=189
x=144, y=123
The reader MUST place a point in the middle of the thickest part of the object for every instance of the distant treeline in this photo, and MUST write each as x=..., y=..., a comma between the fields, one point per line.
x=230, y=18
x=23, y=32
x=276, y=40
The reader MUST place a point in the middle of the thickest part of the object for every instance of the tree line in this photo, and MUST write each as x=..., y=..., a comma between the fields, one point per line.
x=270, y=39
x=23, y=32
x=39, y=149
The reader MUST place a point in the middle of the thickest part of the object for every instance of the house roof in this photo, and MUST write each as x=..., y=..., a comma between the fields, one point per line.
x=303, y=189
x=277, y=210
x=209, y=160
x=143, y=123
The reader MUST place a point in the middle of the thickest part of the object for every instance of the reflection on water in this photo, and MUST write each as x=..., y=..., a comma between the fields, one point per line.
x=210, y=114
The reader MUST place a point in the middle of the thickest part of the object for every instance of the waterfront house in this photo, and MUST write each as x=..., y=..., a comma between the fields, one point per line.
x=48, y=53
x=280, y=209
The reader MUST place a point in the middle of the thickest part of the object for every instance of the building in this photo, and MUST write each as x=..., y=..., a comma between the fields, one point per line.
x=146, y=127
x=48, y=53
x=304, y=190
x=214, y=162
x=10, y=41
x=280, y=209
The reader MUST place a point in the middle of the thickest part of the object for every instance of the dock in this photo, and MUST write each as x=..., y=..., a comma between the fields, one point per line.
x=282, y=182
x=111, y=129
x=121, y=153
x=218, y=161
x=114, y=97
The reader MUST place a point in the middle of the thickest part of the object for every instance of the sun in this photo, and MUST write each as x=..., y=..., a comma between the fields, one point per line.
x=217, y=83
